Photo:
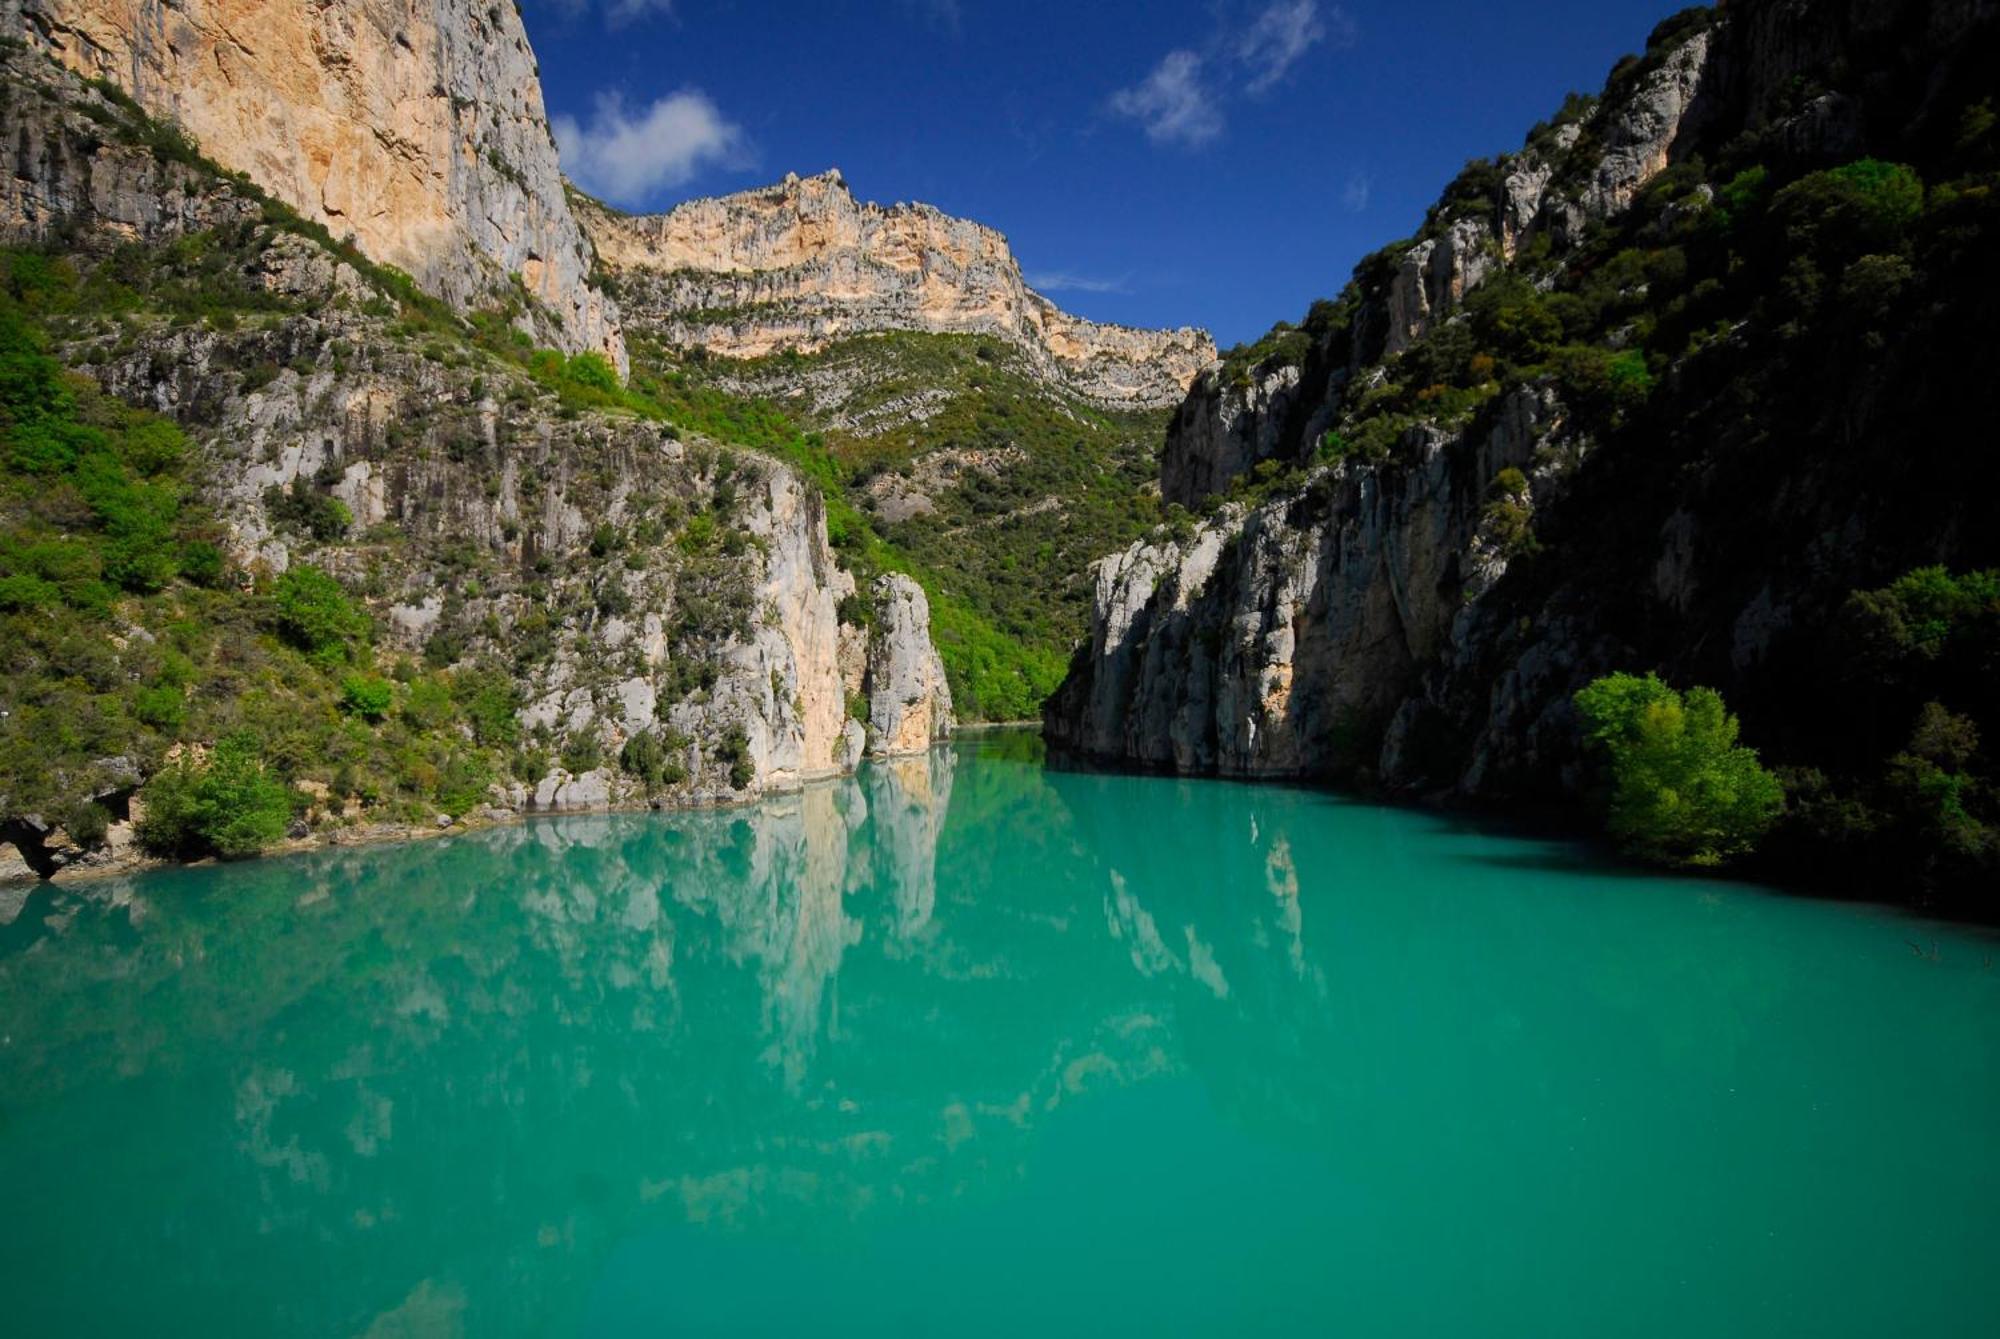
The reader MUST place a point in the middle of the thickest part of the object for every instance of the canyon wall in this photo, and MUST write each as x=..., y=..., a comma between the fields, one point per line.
x=627, y=580
x=795, y=265
x=1418, y=526
x=416, y=127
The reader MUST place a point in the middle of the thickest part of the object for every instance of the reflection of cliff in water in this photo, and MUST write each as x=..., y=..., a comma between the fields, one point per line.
x=565, y=1024
x=445, y=1077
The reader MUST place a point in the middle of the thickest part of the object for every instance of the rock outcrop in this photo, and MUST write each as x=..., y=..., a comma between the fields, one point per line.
x=1416, y=604
x=1278, y=638
x=416, y=128
x=798, y=264
x=909, y=701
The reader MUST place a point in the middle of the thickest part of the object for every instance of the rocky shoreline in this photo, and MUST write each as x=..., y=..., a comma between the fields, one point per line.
x=120, y=859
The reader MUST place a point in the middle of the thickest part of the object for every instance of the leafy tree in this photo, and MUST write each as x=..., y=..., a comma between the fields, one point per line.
x=367, y=695
x=315, y=615
x=1683, y=792
x=228, y=806
x=1863, y=206
x=654, y=759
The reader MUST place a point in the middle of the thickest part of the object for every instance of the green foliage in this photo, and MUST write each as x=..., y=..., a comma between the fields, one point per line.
x=583, y=752
x=1928, y=612
x=315, y=614
x=734, y=750
x=1864, y=206
x=227, y=806
x=1682, y=791
x=656, y=758
x=491, y=706
x=367, y=696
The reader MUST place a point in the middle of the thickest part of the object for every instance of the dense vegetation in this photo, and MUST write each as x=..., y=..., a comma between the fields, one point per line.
x=1681, y=790
x=126, y=637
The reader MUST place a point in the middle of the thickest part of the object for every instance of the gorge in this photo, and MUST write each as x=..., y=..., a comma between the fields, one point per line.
x=715, y=760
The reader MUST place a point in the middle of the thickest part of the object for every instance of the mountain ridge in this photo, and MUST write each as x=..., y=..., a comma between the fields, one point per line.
x=803, y=262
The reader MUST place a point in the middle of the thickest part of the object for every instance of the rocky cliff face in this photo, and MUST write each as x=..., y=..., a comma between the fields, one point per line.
x=1687, y=464
x=802, y=263
x=634, y=582
x=909, y=701
x=416, y=128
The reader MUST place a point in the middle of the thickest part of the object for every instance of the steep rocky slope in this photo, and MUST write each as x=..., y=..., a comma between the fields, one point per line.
x=566, y=601
x=802, y=263
x=996, y=484
x=415, y=128
x=1686, y=384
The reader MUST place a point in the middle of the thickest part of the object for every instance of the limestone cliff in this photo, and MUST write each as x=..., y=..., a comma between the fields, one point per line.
x=414, y=126
x=628, y=582
x=1626, y=402
x=799, y=264
x=909, y=701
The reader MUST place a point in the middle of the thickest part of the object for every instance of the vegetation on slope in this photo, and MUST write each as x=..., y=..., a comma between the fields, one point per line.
x=126, y=637
x=947, y=457
x=1786, y=348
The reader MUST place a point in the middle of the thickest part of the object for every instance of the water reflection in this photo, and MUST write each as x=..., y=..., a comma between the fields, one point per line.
x=448, y=1087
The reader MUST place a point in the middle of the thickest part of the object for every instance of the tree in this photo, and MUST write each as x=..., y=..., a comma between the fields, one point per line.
x=315, y=615
x=367, y=695
x=228, y=806
x=1683, y=792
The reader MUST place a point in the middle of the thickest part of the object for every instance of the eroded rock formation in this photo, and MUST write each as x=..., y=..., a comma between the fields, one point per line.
x=795, y=265
x=416, y=128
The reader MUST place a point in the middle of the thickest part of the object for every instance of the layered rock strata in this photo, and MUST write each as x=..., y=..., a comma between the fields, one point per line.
x=801, y=263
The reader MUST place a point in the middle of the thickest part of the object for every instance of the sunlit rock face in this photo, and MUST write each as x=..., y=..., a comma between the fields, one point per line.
x=544, y=540
x=414, y=126
x=795, y=265
x=909, y=699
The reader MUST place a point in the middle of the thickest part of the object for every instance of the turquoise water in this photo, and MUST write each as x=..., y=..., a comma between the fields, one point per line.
x=969, y=1047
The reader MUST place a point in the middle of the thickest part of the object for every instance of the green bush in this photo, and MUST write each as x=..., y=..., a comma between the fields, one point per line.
x=315, y=615
x=734, y=749
x=1864, y=206
x=228, y=806
x=1682, y=791
x=367, y=695
x=654, y=759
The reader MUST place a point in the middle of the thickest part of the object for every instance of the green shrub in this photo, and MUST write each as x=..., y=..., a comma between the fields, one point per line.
x=734, y=749
x=228, y=806
x=315, y=615
x=1861, y=207
x=583, y=753
x=491, y=706
x=1682, y=791
x=367, y=695
x=162, y=706
x=654, y=759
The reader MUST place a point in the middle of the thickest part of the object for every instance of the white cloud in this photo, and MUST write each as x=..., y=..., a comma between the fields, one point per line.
x=627, y=158
x=1276, y=39
x=617, y=13
x=1173, y=103
x=1185, y=99
x=946, y=14
x=1062, y=281
x=1357, y=192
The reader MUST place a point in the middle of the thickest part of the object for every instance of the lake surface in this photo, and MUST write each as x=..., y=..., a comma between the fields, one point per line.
x=970, y=1047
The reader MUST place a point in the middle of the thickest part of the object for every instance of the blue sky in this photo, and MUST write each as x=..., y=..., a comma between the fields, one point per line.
x=1194, y=162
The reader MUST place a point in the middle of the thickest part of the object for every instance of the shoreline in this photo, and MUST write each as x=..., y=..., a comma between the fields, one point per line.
x=397, y=834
